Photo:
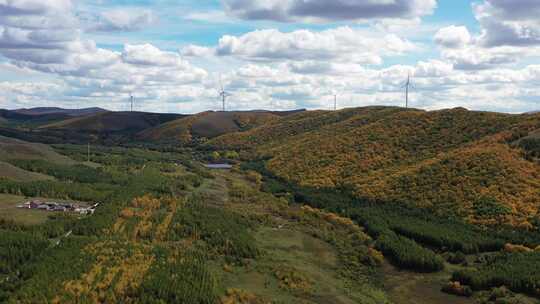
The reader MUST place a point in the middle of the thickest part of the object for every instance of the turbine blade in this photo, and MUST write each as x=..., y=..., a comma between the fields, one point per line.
x=221, y=83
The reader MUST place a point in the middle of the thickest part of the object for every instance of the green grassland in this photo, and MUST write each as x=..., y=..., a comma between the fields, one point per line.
x=11, y=148
x=27, y=217
x=9, y=211
x=12, y=172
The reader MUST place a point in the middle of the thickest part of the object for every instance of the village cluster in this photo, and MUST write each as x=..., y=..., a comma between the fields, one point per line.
x=59, y=207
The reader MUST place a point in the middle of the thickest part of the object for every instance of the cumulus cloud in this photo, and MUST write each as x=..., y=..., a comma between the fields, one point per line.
x=30, y=7
x=343, y=44
x=323, y=10
x=40, y=32
x=269, y=69
x=33, y=38
x=453, y=37
x=509, y=34
x=477, y=58
x=438, y=85
x=147, y=54
x=121, y=20
x=509, y=23
x=197, y=51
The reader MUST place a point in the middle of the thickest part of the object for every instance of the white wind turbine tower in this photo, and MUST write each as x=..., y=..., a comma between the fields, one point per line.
x=223, y=94
x=408, y=85
x=131, y=101
x=335, y=95
x=271, y=96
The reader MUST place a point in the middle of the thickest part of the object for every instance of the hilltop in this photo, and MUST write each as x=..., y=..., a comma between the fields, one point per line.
x=55, y=110
x=110, y=122
x=209, y=125
x=451, y=161
x=16, y=119
x=361, y=205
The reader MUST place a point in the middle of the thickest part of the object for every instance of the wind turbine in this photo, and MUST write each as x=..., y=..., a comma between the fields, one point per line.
x=131, y=100
x=408, y=86
x=271, y=97
x=224, y=95
x=335, y=95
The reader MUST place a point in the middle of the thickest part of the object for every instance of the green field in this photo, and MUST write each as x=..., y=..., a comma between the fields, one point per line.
x=11, y=172
x=9, y=211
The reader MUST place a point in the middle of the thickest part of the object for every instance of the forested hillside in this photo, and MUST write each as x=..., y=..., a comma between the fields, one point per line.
x=320, y=207
x=453, y=161
x=168, y=231
x=206, y=125
x=108, y=122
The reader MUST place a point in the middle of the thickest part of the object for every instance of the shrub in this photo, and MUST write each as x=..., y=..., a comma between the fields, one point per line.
x=516, y=248
x=456, y=258
x=254, y=177
x=456, y=288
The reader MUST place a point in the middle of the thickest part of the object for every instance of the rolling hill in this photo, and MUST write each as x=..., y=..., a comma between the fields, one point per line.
x=17, y=174
x=14, y=149
x=207, y=125
x=451, y=161
x=11, y=149
x=16, y=119
x=55, y=110
x=113, y=122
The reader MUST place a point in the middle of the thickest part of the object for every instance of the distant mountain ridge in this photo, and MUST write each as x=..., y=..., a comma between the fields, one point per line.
x=56, y=110
x=109, y=122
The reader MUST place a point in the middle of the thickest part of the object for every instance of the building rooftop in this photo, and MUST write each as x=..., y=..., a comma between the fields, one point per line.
x=218, y=166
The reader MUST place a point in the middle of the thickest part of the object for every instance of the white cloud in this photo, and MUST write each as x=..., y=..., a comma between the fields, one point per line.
x=343, y=44
x=453, y=37
x=197, y=51
x=148, y=54
x=509, y=34
x=509, y=23
x=322, y=10
x=266, y=68
x=121, y=20
x=216, y=16
x=87, y=71
x=433, y=68
x=31, y=7
x=477, y=58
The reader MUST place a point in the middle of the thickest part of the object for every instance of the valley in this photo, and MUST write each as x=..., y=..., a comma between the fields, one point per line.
x=365, y=205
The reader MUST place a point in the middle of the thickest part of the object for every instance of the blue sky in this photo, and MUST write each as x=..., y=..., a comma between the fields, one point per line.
x=279, y=54
x=176, y=29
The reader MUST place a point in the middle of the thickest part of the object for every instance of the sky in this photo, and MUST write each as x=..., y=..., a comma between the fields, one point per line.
x=173, y=56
